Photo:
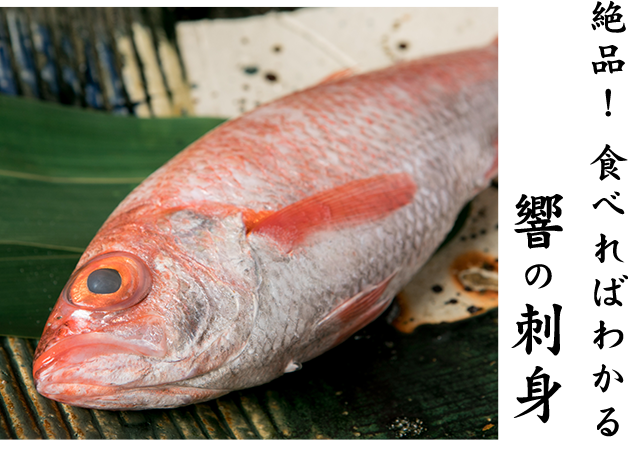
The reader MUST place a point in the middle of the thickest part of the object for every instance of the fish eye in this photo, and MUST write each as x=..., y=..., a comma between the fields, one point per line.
x=111, y=281
x=104, y=281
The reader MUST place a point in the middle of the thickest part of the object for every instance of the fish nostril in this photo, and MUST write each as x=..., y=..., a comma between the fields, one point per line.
x=104, y=281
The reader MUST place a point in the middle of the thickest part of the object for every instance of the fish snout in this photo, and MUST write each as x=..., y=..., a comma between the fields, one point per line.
x=59, y=326
x=68, y=366
x=106, y=284
x=100, y=370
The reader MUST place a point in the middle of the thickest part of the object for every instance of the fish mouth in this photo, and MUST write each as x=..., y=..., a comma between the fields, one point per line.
x=98, y=370
x=82, y=347
x=95, y=360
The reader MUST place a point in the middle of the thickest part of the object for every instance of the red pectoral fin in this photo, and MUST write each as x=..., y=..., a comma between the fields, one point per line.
x=357, y=312
x=350, y=204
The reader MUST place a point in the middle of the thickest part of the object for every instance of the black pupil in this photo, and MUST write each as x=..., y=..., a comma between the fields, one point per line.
x=104, y=281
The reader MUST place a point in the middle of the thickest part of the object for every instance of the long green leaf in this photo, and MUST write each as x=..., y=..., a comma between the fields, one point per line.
x=65, y=144
x=62, y=172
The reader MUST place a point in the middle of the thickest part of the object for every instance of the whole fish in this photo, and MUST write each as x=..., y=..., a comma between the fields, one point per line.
x=274, y=237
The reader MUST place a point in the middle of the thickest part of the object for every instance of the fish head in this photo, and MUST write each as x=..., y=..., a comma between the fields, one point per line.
x=147, y=308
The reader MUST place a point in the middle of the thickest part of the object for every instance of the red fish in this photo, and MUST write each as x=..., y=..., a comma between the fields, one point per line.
x=274, y=237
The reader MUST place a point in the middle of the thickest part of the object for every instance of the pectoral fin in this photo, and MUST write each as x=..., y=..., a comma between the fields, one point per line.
x=350, y=204
x=356, y=312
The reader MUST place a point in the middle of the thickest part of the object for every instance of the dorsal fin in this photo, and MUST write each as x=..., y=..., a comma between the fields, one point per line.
x=350, y=204
x=338, y=75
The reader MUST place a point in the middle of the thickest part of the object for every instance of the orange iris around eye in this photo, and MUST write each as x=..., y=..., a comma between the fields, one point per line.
x=135, y=284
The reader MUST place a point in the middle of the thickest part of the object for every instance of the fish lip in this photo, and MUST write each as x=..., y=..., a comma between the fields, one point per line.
x=92, y=343
x=168, y=395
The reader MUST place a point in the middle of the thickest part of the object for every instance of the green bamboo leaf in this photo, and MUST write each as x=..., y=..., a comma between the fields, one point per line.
x=62, y=172
x=61, y=144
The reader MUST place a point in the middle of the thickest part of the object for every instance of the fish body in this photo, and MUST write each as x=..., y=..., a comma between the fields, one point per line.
x=272, y=238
